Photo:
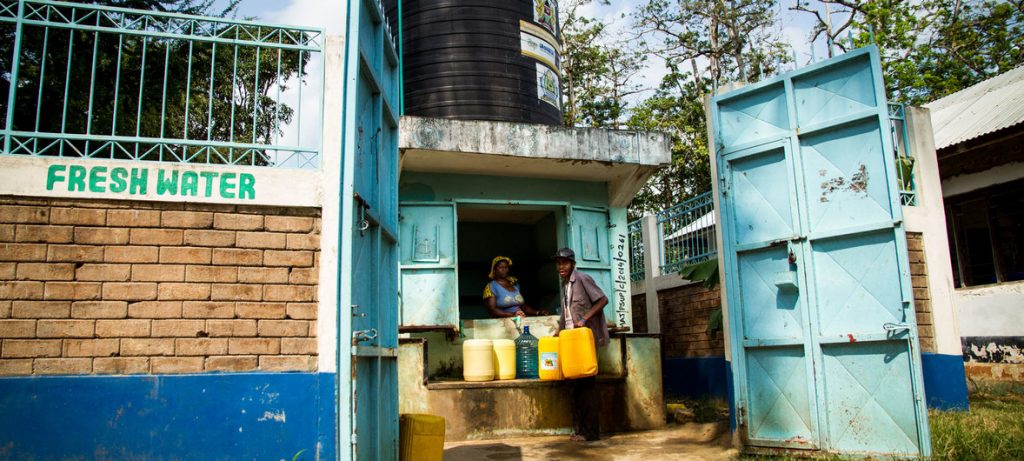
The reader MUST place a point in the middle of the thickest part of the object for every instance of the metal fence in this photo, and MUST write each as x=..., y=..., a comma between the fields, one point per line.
x=636, y=250
x=116, y=83
x=904, y=157
x=686, y=232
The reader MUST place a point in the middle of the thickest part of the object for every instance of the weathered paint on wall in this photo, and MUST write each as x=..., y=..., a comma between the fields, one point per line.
x=644, y=390
x=173, y=417
x=435, y=187
x=412, y=377
x=162, y=182
x=993, y=310
x=994, y=349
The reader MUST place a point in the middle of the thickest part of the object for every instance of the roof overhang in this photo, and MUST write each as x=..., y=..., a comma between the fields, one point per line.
x=622, y=159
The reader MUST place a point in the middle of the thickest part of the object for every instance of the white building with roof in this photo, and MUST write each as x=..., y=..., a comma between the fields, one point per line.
x=979, y=144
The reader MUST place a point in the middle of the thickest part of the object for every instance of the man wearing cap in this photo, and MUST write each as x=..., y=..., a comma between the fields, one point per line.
x=582, y=306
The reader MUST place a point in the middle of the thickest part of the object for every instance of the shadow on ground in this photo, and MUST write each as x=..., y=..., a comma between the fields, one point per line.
x=693, y=441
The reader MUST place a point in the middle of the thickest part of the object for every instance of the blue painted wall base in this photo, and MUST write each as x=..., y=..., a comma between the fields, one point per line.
x=169, y=417
x=696, y=377
x=945, y=383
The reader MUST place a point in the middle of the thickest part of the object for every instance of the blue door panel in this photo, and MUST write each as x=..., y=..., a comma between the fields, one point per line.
x=368, y=254
x=780, y=401
x=756, y=117
x=824, y=343
x=771, y=313
x=761, y=197
x=429, y=280
x=838, y=91
x=589, y=231
x=866, y=382
x=844, y=170
x=858, y=288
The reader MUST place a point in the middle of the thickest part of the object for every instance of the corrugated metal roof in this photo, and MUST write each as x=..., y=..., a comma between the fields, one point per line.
x=989, y=106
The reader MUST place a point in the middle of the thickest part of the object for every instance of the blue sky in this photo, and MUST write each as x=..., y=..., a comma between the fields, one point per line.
x=329, y=14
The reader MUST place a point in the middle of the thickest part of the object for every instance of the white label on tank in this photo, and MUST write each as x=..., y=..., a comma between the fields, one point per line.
x=547, y=85
x=545, y=13
x=549, y=361
x=539, y=49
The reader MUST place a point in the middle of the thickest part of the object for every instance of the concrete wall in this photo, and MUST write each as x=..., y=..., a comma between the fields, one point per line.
x=630, y=387
x=147, y=329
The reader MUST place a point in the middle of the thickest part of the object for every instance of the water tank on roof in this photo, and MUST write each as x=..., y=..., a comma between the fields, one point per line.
x=481, y=59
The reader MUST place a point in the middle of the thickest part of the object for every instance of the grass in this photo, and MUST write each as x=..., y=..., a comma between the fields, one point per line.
x=993, y=429
x=705, y=410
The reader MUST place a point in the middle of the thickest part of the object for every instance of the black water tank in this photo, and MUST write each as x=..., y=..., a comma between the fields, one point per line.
x=480, y=59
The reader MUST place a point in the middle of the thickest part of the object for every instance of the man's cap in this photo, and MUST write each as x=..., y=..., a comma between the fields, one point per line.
x=566, y=254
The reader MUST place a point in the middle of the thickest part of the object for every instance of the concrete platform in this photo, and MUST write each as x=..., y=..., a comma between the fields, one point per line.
x=693, y=441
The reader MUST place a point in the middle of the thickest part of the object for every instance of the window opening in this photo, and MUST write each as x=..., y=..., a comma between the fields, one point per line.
x=526, y=234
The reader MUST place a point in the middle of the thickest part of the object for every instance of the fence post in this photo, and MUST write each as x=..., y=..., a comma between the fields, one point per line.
x=652, y=269
x=15, y=64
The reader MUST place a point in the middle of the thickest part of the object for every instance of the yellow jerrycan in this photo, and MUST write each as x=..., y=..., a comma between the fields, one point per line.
x=547, y=356
x=477, y=360
x=504, y=358
x=577, y=353
x=420, y=437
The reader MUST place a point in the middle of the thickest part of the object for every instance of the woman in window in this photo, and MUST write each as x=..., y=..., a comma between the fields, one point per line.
x=501, y=294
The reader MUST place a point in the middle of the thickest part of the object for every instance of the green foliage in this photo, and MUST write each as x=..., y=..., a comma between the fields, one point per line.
x=150, y=83
x=706, y=272
x=597, y=76
x=677, y=109
x=703, y=44
x=930, y=48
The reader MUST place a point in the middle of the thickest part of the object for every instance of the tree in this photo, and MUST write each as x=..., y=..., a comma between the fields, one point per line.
x=597, y=76
x=157, y=87
x=675, y=108
x=703, y=43
x=930, y=48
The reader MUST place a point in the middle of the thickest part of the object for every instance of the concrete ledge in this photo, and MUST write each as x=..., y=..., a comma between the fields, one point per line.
x=622, y=159
x=513, y=383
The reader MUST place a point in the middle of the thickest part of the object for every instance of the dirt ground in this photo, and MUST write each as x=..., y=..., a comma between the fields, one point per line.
x=692, y=441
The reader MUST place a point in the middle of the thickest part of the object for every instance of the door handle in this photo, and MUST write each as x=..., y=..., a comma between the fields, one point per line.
x=364, y=335
x=894, y=327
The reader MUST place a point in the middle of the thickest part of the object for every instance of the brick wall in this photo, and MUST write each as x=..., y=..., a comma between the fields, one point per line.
x=639, y=313
x=922, y=295
x=685, y=311
x=684, y=315
x=116, y=287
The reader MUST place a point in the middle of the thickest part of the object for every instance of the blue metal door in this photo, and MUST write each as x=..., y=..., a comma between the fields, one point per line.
x=368, y=289
x=589, y=239
x=428, y=265
x=823, y=336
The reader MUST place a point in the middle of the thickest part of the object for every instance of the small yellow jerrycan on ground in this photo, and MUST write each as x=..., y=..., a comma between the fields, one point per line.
x=420, y=437
x=547, y=355
x=577, y=353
